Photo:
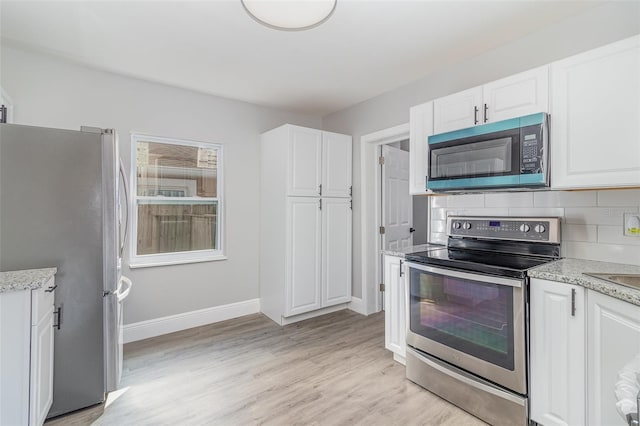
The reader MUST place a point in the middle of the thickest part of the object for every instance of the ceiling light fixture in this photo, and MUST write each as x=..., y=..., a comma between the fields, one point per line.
x=290, y=15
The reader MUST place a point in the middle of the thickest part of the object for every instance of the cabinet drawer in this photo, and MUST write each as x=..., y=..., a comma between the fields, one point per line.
x=42, y=301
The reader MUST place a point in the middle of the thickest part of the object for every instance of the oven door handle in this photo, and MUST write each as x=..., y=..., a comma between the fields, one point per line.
x=465, y=275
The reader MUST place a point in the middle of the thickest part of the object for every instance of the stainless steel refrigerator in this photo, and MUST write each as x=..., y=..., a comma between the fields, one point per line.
x=60, y=206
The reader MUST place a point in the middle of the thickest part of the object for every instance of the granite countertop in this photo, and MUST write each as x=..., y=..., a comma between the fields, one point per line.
x=28, y=279
x=571, y=271
x=401, y=252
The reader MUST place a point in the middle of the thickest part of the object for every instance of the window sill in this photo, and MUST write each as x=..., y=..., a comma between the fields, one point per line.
x=152, y=263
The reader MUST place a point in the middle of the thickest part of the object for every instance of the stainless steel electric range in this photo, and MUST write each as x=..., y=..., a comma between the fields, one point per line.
x=467, y=339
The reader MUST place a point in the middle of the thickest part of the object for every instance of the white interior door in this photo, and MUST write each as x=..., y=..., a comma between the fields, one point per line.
x=397, y=206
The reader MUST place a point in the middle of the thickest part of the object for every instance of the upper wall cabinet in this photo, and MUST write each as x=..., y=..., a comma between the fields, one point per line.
x=319, y=163
x=520, y=94
x=420, y=128
x=595, y=118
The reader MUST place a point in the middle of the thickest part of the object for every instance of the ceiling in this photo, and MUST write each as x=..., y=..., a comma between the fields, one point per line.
x=366, y=48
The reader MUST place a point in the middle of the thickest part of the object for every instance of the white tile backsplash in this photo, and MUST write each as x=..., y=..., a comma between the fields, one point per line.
x=515, y=199
x=614, y=235
x=619, y=197
x=597, y=215
x=587, y=233
x=591, y=226
x=537, y=211
x=466, y=200
x=564, y=198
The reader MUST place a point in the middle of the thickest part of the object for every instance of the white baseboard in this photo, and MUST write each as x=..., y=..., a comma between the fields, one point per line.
x=159, y=326
x=357, y=305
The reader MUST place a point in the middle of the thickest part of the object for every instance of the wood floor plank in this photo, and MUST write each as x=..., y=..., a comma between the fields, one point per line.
x=331, y=370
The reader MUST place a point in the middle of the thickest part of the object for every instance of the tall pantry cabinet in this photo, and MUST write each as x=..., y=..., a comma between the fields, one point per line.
x=305, y=222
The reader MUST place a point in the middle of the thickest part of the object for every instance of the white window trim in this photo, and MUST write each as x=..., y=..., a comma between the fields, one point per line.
x=177, y=258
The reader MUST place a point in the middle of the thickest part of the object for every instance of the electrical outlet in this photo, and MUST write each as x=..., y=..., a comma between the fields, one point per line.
x=632, y=224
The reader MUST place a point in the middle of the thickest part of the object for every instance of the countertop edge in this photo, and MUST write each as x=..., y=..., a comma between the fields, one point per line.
x=28, y=279
x=570, y=271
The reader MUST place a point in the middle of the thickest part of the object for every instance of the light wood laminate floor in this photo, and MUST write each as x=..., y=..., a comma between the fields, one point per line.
x=331, y=370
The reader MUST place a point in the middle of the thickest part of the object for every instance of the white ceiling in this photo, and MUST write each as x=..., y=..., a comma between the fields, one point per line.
x=366, y=48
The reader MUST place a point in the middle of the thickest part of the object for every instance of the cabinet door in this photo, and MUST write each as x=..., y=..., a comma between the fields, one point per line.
x=305, y=156
x=457, y=111
x=614, y=340
x=521, y=94
x=303, y=258
x=420, y=128
x=557, y=353
x=595, y=105
x=395, y=332
x=336, y=165
x=336, y=251
x=41, y=389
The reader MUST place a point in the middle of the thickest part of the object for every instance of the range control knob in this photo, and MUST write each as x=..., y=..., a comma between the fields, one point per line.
x=525, y=228
x=539, y=228
x=456, y=225
x=466, y=225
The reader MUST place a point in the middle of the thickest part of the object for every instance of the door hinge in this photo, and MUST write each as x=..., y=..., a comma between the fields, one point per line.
x=381, y=230
x=3, y=114
x=381, y=160
x=381, y=286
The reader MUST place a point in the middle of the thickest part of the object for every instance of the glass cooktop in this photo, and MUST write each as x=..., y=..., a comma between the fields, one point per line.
x=495, y=263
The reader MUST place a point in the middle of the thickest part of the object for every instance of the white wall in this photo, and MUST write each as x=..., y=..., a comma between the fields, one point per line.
x=592, y=221
x=55, y=93
x=595, y=27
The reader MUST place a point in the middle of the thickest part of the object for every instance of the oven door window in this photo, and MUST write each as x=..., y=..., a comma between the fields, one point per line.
x=473, y=317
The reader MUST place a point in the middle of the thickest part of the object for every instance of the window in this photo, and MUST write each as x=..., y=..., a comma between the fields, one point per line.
x=177, y=197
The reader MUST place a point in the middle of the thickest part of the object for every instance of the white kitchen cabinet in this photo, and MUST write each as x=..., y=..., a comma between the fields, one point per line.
x=26, y=355
x=304, y=278
x=319, y=163
x=336, y=250
x=305, y=240
x=305, y=157
x=336, y=165
x=595, y=117
x=557, y=327
x=395, y=310
x=420, y=128
x=514, y=96
x=457, y=111
x=613, y=339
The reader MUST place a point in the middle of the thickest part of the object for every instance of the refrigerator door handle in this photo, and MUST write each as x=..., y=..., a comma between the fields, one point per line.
x=123, y=290
x=125, y=188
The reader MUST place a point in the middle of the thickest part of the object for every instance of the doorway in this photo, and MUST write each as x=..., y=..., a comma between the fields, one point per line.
x=371, y=243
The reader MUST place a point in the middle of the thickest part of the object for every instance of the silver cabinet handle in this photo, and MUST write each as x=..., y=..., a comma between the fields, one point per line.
x=486, y=113
x=475, y=115
x=58, y=318
x=573, y=302
x=401, y=273
x=320, y=189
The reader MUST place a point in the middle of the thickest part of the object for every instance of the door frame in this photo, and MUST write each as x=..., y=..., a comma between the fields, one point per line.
x=370, y=200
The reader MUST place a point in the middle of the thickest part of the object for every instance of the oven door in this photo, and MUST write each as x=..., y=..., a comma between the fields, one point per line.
x=475, y=322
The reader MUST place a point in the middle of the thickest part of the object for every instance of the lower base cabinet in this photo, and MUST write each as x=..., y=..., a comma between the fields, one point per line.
x=26, y=355
x=580, y=340
x=395, y=302
x=613, y=341
x=557, y=357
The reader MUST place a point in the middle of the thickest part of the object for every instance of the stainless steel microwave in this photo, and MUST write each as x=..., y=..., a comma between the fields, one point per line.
x=506, y=154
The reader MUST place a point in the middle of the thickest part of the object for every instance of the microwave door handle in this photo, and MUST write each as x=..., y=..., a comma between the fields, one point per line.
x=125, y=188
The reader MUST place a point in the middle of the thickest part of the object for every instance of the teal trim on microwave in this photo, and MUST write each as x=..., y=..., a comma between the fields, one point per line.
x=474, y=182
x=533, y=178
x=483, y=129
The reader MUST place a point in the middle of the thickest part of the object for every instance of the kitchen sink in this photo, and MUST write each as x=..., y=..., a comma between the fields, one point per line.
x=627, y=280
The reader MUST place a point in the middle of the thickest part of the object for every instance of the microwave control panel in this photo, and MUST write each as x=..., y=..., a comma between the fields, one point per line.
x=531, y=149
x=506, y=228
